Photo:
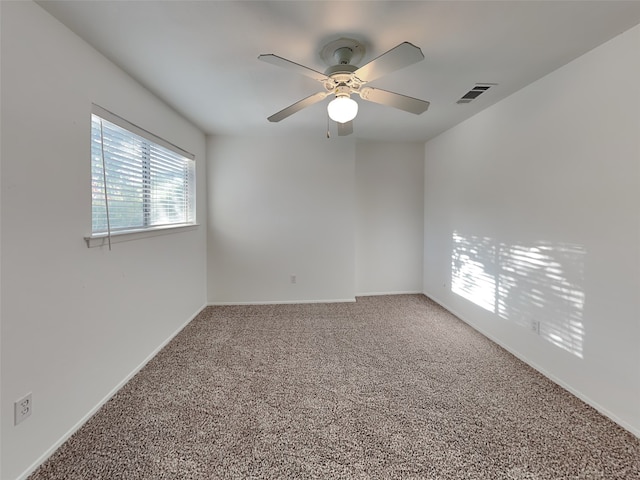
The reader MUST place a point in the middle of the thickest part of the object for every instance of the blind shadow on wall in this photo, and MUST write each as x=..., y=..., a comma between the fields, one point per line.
x=537, y=285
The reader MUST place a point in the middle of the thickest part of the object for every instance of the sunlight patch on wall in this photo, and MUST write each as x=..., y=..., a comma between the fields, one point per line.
x=524, y=284
x=469, y=276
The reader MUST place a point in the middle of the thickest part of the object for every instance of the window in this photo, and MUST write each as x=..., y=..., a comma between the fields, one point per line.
x=138, y=181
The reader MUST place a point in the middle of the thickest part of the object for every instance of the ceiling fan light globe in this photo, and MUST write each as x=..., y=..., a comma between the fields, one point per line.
x=342, y=109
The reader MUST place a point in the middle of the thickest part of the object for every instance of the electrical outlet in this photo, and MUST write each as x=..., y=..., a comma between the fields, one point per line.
x=294, y=278
x=535, y=326
x=22, y=408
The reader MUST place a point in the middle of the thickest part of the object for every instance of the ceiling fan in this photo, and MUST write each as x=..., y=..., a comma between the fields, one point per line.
x=343, y=79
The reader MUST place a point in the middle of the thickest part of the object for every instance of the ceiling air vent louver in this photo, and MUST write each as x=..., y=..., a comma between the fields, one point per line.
x=477, y=90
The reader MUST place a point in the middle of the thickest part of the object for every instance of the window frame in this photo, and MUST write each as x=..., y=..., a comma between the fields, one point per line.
x=126, y=234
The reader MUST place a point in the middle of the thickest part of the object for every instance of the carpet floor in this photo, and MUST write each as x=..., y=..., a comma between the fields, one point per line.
x=386, y=387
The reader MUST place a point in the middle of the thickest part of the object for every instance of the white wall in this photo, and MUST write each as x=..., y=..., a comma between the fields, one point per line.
x=389, y=217
x=532, y=212
x=277, y=207
x=76, y=322
x=346, y=219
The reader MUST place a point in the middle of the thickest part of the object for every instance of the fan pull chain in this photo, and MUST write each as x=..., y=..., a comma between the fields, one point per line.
x=328, y=132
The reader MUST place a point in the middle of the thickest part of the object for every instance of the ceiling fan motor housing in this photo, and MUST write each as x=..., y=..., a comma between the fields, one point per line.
x=342, y=91
x=341, y=55
x=340, y=68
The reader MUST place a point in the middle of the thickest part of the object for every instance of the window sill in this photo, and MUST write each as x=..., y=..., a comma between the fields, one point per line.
x=102, y=239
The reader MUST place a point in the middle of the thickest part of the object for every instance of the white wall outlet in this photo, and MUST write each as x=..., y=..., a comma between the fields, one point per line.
x=22, y=408
x=294, y=278
x=535, y=326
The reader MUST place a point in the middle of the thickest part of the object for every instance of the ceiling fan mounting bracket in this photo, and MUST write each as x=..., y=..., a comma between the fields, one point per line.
x=344, y=51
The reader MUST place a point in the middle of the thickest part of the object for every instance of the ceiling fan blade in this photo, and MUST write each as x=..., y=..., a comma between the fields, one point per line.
x=391, y=99
x=398, y=57
x=345, y=129
x=296, y=107
x=288, y=64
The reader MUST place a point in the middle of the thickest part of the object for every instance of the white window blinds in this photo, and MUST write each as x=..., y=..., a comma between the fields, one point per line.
x=138, y=181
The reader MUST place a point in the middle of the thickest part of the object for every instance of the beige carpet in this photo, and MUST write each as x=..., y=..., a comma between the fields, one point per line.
x=387, y=387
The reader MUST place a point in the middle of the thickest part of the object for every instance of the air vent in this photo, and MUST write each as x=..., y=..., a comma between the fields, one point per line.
x=475, y=92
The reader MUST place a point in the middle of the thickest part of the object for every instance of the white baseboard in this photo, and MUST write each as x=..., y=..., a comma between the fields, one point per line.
x=302, y=301
x=92, y=412
x=379, y=294
x=281, y=302
x=535, y=366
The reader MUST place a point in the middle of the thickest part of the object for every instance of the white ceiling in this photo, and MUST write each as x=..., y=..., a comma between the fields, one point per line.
x=200, y=57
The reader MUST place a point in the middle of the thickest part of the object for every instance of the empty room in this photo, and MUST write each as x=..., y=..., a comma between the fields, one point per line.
x=319, y=239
